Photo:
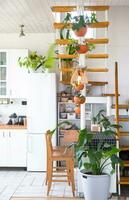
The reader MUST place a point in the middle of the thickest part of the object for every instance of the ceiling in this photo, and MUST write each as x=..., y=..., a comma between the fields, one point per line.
x=36, y=15
x=91, y=2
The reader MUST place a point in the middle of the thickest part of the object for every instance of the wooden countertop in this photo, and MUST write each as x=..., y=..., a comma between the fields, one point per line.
x=5, y=126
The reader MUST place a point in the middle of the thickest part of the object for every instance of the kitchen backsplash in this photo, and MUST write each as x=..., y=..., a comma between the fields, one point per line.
x=17, y=106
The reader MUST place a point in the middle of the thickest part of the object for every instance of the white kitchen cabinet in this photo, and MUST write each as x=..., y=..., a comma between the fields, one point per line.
x=3, y=148
x=17, y=76
x=13, y=148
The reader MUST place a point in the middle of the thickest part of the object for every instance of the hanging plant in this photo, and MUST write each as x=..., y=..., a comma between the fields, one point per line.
x=79, y=99
x=79, y=86
x=81, y=22
x=84, y=48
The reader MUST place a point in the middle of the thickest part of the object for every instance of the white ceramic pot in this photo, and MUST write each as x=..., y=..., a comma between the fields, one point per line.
x=96, y=187
x=95, y=128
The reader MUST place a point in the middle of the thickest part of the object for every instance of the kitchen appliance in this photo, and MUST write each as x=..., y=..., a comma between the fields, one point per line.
x=41, y=116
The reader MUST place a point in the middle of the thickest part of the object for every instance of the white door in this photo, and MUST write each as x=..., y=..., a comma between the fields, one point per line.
x=3, y=148
x=17, y=76
x=17, y=148
x=36, y=152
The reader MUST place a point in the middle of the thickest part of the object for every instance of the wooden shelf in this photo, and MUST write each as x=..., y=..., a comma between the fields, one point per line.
x=97, y=56
x=108, y=95
x=93, y=25
x=126, y=163
x=90, y=56
x=97, y=70
x=121, y=106
x=123, y=119
x=124, y=148
x=124, y=181
x=123, y=133
x=74, y=8
x=90, y=41
x=67, y=56
x=70, y=69
x=97, y=83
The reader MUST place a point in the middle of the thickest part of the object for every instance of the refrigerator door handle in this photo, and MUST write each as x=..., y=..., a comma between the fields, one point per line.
x=29, y=144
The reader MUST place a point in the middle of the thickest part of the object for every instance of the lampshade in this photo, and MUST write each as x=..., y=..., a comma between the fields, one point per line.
x=79, y=76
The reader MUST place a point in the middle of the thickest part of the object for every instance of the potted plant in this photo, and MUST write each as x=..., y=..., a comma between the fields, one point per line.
x=79, y=99
x=81, y=22
x=35, y=61
x=78, y=86
x=93, y=161
x=84, y=48
x=96, y=126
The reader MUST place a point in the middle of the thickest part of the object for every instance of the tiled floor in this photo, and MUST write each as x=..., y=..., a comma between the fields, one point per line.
x=30, y=184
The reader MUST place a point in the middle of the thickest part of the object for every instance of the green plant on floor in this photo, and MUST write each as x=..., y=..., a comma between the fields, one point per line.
x=94, y=159
x=35, y=61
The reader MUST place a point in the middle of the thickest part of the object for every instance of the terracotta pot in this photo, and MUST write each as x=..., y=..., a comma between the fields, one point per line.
x=81, y=32
x=79, y=87
x=79, y=100
x=82, y=49
x=77, y=110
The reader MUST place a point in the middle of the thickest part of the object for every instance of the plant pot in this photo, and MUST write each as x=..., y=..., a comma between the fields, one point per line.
x=96, y=187
x=79, y=87
x=77, y=110
x=83, y=49
x=95, y=128
x=81, y=32
x=79, y=100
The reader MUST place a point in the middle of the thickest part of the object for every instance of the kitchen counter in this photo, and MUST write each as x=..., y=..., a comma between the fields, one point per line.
x=5, y=126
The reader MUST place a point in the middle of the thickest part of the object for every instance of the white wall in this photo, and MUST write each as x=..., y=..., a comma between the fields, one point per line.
x=35, y=41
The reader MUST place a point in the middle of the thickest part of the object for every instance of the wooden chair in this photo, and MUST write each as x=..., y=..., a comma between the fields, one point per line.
x=59, y=154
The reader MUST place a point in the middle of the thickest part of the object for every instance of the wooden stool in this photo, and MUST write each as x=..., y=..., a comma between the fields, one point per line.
x=59, y=154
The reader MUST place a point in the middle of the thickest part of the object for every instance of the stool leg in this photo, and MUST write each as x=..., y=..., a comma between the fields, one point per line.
x=50, y=169
x=72, y=176
x=46, y=173
x=68, y=171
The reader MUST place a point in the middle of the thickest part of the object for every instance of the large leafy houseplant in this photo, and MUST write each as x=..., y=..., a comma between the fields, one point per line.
x=35, y=61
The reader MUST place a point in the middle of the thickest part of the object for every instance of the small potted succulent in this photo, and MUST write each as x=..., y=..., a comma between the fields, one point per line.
x=79, y=99
x=81, y=22
x=96, y=126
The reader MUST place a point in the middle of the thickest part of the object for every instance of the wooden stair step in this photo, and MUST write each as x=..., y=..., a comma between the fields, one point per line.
x=89, y=56
x=108, y=95
x=70, y=69
x=123, y=133
x=121, y=106
x=90, y=41
x=74, y=8
x=93, y=25
x=123, y=119
x=97, y=56
x=126, y=163
x=124, y=181
x=93, y=83
x=97, y=69
x=97, y=83
x=124, y=148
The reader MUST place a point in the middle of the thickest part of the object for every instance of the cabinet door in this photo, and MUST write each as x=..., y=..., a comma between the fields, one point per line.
x=3, y=148
x=17, y=148
x=17, y=75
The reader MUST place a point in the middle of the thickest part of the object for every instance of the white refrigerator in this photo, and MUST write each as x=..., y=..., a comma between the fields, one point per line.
x=41, y=116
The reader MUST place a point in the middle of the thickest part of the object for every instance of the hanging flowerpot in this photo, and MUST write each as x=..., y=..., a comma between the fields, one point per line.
x=81, y=32
x=79, y=86
x=82, y=48
x=77, y=109
x=79, y=99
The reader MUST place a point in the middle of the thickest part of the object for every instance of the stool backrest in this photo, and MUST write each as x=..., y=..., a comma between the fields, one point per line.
x=49, y=144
